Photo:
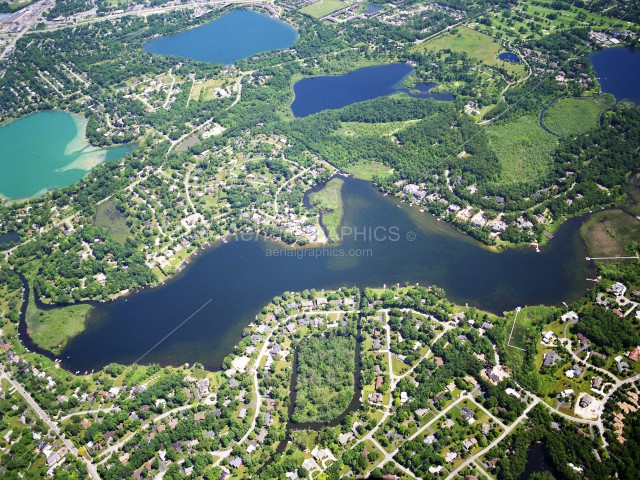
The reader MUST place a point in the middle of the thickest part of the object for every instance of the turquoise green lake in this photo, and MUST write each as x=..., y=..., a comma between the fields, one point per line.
x=47, y=150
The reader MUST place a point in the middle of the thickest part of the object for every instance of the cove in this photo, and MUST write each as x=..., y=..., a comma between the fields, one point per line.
x=228, y=284
x=618, y=70
x=232, y=37
x=47, y=150
x=314, y=94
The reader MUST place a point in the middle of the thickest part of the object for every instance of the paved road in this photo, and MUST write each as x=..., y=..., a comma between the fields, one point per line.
x=482, y=452
x=53, y=426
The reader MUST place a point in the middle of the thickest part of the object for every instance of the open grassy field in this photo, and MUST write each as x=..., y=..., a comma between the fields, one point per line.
x=204, y=90
x=610, y=233
x=572, y=116
x=51, y=329
x=366, y=171
x=329, y=202
x=322, y=8
x=475, y=44
x=385, y=129
x=523, y=147
x=524, y=322
x=113, y=220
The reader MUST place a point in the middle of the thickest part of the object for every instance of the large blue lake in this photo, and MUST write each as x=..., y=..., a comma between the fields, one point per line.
x=234, y=36
x=233, y=281
x=618, y=70
x=314, y=94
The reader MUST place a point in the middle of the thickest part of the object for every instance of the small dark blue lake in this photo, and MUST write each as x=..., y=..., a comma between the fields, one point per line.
x=9, y=237
x=618, y=70
x=314, y=94
x=232, y=37
x=509, y=57
x=370, y=9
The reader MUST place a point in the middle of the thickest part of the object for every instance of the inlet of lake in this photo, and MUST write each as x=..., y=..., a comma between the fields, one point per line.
x=47, y=150
x=234, y=36
x=314, y=94
x=228, y=284
x=618, y=70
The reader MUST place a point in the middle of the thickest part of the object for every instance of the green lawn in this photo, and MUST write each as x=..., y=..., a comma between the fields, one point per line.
x=572, y=116
x=329, y=202
x=475, y=44
x=523, y=148
x=322, y=8
x=528, y=20
x=526, y=317
x=51, y=329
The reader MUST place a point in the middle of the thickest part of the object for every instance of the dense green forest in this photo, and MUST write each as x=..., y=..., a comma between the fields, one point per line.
x=325, y=377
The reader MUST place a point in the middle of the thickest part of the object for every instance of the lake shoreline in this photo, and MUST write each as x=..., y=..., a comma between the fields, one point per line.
x=65, y=160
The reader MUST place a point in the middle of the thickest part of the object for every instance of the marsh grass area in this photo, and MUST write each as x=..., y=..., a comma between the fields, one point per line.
x=52, y=329
x=573, y=116
x=109, y=217
x=329, y=202
x=475, y=44
x=322, y=8
x=326, y=376
x=611, y=233
x=368, y=171
x=523, y=148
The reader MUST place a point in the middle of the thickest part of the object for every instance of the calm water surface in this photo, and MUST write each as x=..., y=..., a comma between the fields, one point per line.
x=618, y=70
x=314, y=94
x=234, y=36
x=47, y=150
x=233, y=281
x=9, y=237
x=370, y=9
x=509, y=57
